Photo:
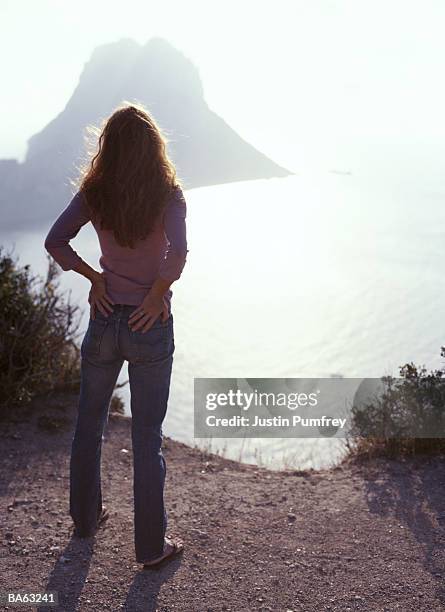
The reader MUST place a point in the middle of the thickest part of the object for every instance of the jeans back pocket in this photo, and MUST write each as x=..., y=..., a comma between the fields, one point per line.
x=93, y=336
x=156, y=343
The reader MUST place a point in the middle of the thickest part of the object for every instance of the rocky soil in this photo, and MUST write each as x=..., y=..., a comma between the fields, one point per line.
x=357, y=537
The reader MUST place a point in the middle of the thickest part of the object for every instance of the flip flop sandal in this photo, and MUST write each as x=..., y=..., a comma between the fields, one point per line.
x=103, y=516
x=178, y=547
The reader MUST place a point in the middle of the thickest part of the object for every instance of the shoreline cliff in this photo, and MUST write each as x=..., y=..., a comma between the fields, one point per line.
x=360, y=536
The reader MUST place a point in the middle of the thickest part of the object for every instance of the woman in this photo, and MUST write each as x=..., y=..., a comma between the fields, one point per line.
x=130, y=193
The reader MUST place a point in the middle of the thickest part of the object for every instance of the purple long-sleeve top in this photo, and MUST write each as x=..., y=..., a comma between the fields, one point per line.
x=129, y=272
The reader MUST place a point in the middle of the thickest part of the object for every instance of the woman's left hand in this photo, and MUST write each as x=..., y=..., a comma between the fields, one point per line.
x=147, y=313
x=98, y=297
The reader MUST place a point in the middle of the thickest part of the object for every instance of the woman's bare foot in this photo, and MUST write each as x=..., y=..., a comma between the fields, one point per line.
x=172, y=547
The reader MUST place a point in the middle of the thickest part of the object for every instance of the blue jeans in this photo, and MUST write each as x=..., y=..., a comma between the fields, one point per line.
x=109, y=341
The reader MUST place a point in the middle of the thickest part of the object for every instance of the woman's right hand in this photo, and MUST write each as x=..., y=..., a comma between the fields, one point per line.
x=98, y=297
x=144, y=316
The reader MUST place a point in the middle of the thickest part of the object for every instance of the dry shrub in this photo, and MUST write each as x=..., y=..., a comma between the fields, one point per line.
x=38, y=352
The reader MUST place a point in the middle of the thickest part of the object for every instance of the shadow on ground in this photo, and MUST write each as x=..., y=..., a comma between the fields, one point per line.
x=415, y=497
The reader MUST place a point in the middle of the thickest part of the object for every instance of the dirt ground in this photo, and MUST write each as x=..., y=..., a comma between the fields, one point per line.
x=357, y=537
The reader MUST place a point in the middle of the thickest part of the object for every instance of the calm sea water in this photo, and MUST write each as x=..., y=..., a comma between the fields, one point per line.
x=302, y=276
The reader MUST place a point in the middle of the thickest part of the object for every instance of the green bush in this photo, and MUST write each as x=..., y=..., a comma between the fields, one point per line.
x=408, y=418
x=38, y=352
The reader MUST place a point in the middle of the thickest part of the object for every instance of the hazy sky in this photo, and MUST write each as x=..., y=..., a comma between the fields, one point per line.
x=328, y=84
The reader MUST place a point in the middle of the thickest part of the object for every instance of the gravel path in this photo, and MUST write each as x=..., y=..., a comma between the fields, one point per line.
x=366, y=537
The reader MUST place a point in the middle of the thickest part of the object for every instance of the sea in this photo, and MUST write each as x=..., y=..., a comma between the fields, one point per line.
x=308, y=276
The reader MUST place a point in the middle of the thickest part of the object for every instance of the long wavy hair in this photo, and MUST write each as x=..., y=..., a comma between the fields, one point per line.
x=129, y=177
